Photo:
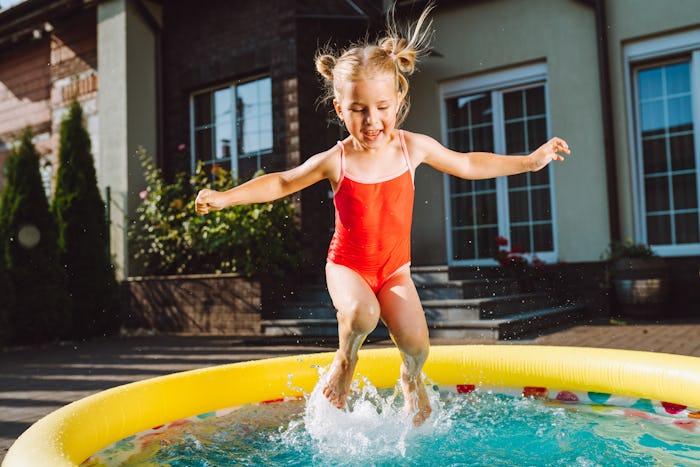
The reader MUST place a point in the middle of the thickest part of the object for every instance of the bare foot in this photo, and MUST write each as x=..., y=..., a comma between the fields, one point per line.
x=339, y=380
x=417, y=402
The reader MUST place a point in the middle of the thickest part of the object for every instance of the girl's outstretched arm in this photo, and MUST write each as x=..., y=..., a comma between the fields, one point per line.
x=271, y=186
x=481, y=165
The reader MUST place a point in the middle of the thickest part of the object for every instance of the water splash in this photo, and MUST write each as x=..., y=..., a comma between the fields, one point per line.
x=374, y=426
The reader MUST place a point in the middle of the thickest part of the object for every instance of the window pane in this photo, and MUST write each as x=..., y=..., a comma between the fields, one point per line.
x=543, y=240
x=247, y=166
x=483, y=139
x=534, y=99
x=463, y=245
x=515, y=138
x=202, y=109
x=536, y=133
x=540, y=178
x=486, y=209
x=458, y=112
x=459, y=185
x=518, y=206
x=678, y=78
x=513, y=104
x=541, y=209
x=520, y=237
x=680, y=114
x=654, y=153
x=687, y=228
x=682, y=152
x=481, y=111
x=459, y=140
x=202, y=145
x=650, y=84
x=485, y=185
x=657, y=197
x=223, y=105
x=659, y=230
x=685, y=192
x=223, y=133
x=486, y=243
x=652, y=117
x=518, y=181
x=462, y=211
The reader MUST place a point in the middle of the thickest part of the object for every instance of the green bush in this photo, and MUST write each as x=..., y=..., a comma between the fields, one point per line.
x=82, y=226
x=28, y=248
x=170, y=238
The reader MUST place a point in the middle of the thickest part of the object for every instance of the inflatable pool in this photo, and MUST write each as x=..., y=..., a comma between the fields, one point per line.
x=73, y=433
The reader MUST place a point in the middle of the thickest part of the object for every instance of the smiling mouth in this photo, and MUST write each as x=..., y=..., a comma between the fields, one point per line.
x=371, y=134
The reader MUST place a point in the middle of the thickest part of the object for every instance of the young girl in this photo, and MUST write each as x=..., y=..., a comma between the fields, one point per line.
x=371, y=173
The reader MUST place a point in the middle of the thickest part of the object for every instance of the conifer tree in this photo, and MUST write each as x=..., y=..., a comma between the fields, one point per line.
x=28, y=246
x=82, y=232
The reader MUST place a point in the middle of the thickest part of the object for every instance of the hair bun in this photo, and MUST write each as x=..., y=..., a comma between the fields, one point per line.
x=325, y=64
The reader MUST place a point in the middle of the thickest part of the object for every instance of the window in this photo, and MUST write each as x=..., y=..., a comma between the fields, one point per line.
x=665, y=107
x=506, y=113
x=232, y=128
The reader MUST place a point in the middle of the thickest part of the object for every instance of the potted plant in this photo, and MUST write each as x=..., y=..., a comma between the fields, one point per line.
x=639, y=279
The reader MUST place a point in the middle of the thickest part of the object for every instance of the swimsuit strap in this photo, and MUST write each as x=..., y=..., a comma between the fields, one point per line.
x=342, y=164
x=406, y=157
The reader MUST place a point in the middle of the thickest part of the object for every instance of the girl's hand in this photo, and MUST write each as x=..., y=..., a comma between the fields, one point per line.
x=547, y=153
x=207, y=200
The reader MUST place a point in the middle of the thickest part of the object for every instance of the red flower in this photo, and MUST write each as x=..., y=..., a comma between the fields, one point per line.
x=501, y=241
x=517, y=250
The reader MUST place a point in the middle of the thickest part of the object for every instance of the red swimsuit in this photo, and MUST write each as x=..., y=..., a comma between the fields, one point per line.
x=373, y=223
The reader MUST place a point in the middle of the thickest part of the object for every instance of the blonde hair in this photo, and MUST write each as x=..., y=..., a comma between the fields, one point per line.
x=394, y=54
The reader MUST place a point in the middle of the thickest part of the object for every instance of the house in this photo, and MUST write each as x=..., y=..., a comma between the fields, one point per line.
x=236, y=86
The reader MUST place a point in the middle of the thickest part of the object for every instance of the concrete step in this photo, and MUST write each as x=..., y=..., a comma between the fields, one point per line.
x=475, y=288
x=424, y=275
x=483, y=308
x=510, y=327
x=440, y=291
x=310, y=327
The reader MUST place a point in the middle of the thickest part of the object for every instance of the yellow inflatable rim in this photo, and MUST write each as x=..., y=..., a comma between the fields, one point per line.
x=71, y=434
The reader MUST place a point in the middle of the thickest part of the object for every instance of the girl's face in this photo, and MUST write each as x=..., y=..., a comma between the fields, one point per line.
x=368, y=108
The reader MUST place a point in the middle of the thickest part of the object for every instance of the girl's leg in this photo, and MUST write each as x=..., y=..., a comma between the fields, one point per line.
x=403, y=315
x=358, y=314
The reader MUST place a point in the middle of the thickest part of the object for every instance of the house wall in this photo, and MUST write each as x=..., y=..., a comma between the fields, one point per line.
x=476, y=38
x=635, y=20
x=40, y=76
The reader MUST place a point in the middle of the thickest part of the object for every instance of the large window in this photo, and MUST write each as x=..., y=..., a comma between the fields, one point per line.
x=232, y=127
x=504, y=113
x=666, y=104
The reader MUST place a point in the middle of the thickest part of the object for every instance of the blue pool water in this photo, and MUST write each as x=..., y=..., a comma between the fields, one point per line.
x=481, y=428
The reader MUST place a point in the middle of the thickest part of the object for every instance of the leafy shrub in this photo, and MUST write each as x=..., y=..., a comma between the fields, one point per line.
x=627, y=249
x=168, y=237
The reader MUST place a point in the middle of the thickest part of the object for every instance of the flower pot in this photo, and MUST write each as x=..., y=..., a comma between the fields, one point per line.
x=641, y=286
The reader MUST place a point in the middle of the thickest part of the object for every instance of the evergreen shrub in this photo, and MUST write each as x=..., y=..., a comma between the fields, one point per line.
x=83, y=237
x=38, y=309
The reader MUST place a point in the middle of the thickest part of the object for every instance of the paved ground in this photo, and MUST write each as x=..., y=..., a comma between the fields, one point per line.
x=35, y=381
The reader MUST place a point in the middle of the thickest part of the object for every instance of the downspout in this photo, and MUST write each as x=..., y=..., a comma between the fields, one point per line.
x=606, y=108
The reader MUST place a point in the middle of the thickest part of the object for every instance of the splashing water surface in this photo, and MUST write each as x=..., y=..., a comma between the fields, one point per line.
x=479, y=428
